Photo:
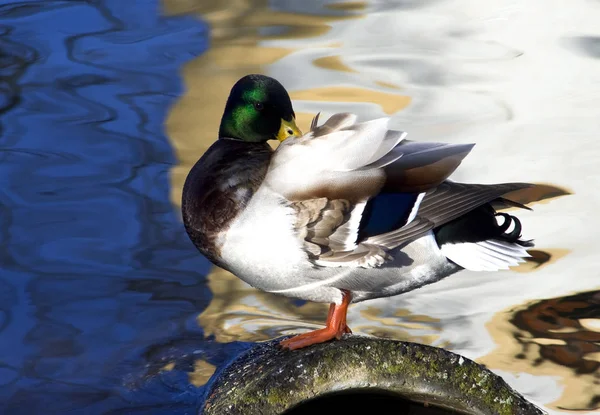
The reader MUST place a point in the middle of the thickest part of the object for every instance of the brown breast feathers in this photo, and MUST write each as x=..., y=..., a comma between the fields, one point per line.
x=218, y=187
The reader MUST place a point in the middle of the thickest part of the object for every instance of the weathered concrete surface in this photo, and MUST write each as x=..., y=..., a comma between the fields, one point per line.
x=268, y=380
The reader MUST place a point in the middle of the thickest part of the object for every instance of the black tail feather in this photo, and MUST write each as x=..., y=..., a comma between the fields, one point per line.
x=480, y=225
x=514, y=235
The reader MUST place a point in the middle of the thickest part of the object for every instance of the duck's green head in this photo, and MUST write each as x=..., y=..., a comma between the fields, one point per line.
x=258, y=109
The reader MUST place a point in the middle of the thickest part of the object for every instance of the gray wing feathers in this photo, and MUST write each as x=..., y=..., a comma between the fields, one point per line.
x=413, y=230
x=451, y=200
x=385, y=154
x=417, y=154
x=446, y=202
x=407, y=154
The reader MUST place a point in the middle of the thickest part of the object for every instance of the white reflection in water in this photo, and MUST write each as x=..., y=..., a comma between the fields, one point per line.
x=522, y=80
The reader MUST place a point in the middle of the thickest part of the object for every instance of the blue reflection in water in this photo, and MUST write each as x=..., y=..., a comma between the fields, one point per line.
x=99, y=285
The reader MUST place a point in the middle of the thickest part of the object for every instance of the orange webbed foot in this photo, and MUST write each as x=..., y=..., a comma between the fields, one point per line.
x=308, y=339
x=336, y=327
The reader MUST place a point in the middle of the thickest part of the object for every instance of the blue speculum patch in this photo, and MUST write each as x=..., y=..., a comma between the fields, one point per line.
x=386, y=212
x=99, y=284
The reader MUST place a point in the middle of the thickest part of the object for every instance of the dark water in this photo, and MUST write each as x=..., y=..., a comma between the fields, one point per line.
x=99, y=285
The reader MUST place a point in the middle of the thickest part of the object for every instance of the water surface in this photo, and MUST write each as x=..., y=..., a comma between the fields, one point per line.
x=105, y=305
x=520, y=80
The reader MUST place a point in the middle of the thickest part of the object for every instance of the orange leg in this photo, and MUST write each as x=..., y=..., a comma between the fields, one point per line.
x=335, y=328
x=332, y=310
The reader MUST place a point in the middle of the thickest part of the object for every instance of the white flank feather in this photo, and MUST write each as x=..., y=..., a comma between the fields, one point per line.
x=415, y=209
x=491, y=255
x=347, y=234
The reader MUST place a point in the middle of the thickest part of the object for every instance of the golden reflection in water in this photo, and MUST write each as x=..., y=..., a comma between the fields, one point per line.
x=332, y=62
x=390, y=103
x=387, y=85
x=540, y=259
x=558, y=337
x=396, y=327
x=350, y=5
x=541, y=193
x=168, y=367
x=201, y=373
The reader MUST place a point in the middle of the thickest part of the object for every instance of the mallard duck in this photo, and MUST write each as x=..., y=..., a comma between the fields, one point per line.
x=348, y=212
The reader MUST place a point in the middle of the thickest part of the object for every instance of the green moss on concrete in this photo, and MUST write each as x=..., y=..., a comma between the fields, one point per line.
x=268, y=380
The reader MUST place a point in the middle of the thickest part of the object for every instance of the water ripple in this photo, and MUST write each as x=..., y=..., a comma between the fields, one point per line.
x=96, y=268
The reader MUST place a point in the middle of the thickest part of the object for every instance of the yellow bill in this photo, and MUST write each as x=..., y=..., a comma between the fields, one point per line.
x=288, y=129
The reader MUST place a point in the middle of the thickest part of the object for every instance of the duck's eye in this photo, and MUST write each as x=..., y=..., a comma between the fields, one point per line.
x=259, y=106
